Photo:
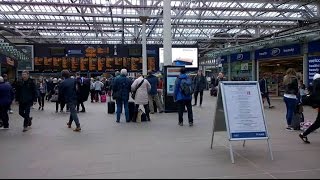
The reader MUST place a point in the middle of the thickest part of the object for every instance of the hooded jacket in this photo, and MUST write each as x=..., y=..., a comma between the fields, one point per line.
x=178, y=95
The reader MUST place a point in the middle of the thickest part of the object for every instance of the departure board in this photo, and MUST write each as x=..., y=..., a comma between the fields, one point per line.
x=151, y=63
x=126, y=63
x=38, y=63
x=56, y=64
x=118, y=64
x=136, y=64
x=110, y=64
x=75, y=66
x=47, y=62
x=93, y=63
x=66, y=63
x=101, y=64
x=84, y=64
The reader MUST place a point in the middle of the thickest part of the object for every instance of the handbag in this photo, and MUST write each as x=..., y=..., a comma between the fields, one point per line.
x=133, y=94
x=54, y=98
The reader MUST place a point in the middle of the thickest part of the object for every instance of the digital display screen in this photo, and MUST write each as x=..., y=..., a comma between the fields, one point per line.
x=57, y=51
x=187, y=57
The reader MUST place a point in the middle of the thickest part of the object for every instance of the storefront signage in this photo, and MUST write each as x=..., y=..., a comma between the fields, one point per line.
x=313, y=67
x=223, y=60
x=314, y=47
x=290, y=50
x=240, y=57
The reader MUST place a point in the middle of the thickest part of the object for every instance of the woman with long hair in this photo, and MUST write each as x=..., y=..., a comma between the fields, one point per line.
x=42, y=89
x=291, y=87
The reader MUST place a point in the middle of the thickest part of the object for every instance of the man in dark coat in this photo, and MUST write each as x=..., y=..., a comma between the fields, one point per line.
x=199, y=84
x=26, y=96
x=82, y=92
x=264, y=89
x=6, y=98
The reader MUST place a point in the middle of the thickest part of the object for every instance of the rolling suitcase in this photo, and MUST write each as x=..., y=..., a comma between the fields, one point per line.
x=111, y=107
x=103, y=98
x=131, y=106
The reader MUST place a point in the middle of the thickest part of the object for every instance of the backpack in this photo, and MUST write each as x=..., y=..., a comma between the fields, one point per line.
x=185, y=87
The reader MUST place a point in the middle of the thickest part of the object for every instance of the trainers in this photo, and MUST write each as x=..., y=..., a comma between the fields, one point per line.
x=180, y=124
x=289, y=129
x=190, y=124
x=78, y=129
x=25, y=129
x=69, y=125
x=10, y=112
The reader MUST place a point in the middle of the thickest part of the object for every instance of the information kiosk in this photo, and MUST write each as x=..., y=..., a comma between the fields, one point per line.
x=170, y=75
x=240, y=112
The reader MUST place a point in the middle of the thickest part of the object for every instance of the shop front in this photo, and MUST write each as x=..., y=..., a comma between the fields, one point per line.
x=241, y=67
x=224, y=65
x=313, y=59
x=9, y=67
x=274, y=62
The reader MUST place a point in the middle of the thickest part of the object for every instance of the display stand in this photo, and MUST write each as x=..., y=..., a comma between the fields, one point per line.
x=170, y=75
x=240, y=112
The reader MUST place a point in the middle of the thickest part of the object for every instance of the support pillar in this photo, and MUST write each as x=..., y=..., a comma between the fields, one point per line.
x=254, y=66
x=229, y=67
x=144, y=46
x=167, y=41
x=305, y=63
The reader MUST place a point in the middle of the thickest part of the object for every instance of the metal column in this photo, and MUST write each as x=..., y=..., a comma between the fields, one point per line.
x=254, y=66
x=305, y=63
x=167, y=42
x=144, y=46
x=229, y=67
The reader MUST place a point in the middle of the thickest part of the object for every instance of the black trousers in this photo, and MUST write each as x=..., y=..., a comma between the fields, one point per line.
x=4, y=115
x=266, y=95
x=41, y=99
x=62, y=104
x=196, y=97
x=314, y=126
x=92, y=94
x=181, y=107
x=24, y=111
x=136, y=109
x=82, y=106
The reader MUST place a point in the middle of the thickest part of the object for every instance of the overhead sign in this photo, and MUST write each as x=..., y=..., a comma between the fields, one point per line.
x=240, y=57
x=223, y=60
x=314, y=47
x=313, y=67
x=290, y=50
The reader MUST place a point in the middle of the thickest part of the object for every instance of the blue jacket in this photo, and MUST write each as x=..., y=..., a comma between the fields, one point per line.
x=122, y=85
x=6, y=94
x=178, y=95
x=67, y=90
x=153, y=80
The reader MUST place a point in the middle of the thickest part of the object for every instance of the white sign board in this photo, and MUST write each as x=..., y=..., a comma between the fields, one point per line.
x=189, y=55
x=243, y=109
x=243, y=112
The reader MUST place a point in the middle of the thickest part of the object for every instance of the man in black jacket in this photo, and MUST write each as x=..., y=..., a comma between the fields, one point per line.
x=264, y=89
x=26, y=96
x=199, y=84
x=68, y=91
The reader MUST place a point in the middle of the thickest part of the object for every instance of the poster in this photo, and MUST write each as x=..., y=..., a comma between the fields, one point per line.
x=101, y=64
x=244, y=111
x=313, y=67
x=93, y=63
x=66, y=63
x=75, y=66
x=84, y=64
x=151, y=63
x=110, y=64
x=27, y=64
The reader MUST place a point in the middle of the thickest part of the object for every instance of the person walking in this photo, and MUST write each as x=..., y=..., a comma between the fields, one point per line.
x=6, y=98
x=42, y=90
x=183, y=96
x=315, y=93
x=199, y=84
x=153, y=94
x=82, y=92
x=26, y=96
x=98, y=86
x=121, y=90
x=68, y=90
x=141, y=87
x=265, y=90
x=290, y=83
x=6, y=80
x=92, y=90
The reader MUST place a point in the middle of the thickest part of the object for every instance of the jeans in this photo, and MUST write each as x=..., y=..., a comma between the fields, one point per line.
x=4, y=115
x=136, y=109
x=291, y=105
x=73, y=114
x=196, y=97
x=24, y=111
x=119, y=109
x=157, y=100
x=41, y=99
x=181, y=107
x=314, y=126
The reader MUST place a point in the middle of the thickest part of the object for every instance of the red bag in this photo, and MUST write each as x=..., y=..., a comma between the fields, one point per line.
x=103, y=98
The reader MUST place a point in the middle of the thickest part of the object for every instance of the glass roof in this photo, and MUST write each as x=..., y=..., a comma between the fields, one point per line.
x=103, y=21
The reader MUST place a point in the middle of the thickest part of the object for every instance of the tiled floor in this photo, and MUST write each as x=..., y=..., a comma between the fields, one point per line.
x=157, y=149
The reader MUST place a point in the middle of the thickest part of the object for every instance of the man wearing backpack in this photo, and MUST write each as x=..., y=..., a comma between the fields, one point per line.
x=183, y=95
